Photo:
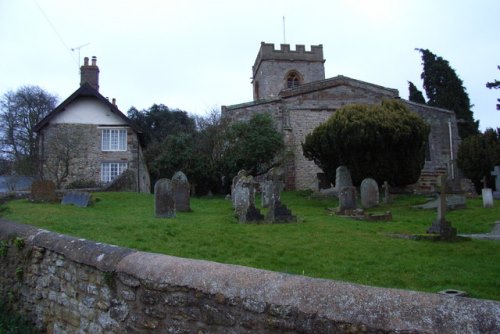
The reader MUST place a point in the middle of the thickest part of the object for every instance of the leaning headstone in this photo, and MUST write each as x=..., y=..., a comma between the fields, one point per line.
x=164, y=199
x=347, y=200
x=278, y=212
x=342, y=178
x=369, y=193
x=43, y=191
x=77, y=198
x=440, y=225
x=181, y=189
x=496, y=173
x=487, y=195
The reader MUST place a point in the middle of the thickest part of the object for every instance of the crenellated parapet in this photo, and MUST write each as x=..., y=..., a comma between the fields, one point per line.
x=284, y=53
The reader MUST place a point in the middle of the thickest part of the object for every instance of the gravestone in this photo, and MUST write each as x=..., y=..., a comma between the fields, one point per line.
x=164, y=199
x=496, y=173
x=278, y=212
x=369, y=193
x=342, y=178
x=243, y=195
x=440, y=225
x=236, y=180
x=487, y=195
x=347, y=200
x=266, y=197
x=181, y=189
x=387, y=194
x=77, y=198
x=43, y=191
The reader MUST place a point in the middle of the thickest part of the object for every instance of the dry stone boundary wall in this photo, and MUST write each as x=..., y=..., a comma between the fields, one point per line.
x=70, y=285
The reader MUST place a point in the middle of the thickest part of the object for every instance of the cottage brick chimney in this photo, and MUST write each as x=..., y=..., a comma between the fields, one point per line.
x=90, y=73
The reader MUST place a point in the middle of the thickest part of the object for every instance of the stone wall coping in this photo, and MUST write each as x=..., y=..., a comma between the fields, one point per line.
x=101, y=256
x=391, y=310
x=382, y=308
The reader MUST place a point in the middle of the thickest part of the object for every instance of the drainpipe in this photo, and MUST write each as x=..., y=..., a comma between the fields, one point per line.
x=451, y=151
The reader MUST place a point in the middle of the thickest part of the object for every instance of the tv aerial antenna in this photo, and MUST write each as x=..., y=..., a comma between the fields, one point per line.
x=79, y=48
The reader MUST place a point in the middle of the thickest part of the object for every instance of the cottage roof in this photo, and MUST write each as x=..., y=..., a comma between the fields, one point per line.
x=86, y=90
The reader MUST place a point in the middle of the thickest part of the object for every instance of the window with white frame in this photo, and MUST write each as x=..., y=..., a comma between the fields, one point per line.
x=111, y=170
x=114, y=139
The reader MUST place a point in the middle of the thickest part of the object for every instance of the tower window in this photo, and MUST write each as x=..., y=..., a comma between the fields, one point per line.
x=292, y=80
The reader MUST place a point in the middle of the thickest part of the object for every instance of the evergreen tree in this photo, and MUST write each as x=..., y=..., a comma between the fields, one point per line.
x=496, y=85
x=445, y=89
x=414, y=94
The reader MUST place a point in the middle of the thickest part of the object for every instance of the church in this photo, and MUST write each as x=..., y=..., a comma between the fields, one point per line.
x=290, y=85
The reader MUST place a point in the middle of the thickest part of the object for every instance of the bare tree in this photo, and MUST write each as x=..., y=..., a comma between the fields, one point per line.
x=63, y=151
x=20, y=111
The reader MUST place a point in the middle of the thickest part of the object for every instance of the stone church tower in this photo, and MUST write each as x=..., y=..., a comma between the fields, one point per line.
x=275, y=70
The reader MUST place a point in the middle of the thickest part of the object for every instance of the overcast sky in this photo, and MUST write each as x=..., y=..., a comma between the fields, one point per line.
x=197, y=55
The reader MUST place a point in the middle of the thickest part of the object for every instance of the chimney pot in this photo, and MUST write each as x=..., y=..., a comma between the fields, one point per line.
x=114, y=101
x=86, y=61
x=94, y=61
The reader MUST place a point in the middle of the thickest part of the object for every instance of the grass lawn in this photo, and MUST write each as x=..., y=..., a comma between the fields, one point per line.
x=318, y=245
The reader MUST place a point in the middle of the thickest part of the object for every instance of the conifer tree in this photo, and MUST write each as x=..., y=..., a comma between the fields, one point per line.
x=445, y=89
x=414, y=94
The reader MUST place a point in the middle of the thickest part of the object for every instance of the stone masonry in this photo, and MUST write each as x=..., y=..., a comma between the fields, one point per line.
x=69, y=285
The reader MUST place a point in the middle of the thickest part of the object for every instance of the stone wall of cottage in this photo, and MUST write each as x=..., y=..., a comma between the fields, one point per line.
x=87, y=154
x=69, y=285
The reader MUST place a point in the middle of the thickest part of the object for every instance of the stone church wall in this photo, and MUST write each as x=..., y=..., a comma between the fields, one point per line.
x=69, y=285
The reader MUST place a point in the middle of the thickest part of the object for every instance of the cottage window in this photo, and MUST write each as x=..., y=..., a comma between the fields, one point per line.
x=111, y=170
x=114, y=139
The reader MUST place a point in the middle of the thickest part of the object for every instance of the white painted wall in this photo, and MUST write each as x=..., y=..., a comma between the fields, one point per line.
x=88, y=111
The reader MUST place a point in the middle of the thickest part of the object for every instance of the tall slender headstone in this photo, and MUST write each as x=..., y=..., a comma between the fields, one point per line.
x=387, y=194
x=181, y=190
x=369, y=193
x=496, y=173
x=164, y=199
x=440, y=225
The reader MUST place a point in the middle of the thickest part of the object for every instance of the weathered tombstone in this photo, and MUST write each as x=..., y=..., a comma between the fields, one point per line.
x=342, y=178
x=164, y=199
x=43, y=191
x=181, y=189
x=440, y=225
x=244, y=200
x=266, y=197
x=487, y=195
x=347, y=199
x=496, y=173
x=387, y=194
x=369, y=193
x=77, y=198
x=236, y=180
x=278, y=212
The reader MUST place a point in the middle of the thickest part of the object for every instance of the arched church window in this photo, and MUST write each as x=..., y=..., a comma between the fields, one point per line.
x=293, y=80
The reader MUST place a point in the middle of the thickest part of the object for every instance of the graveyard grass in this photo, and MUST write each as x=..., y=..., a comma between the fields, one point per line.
x=318, y=245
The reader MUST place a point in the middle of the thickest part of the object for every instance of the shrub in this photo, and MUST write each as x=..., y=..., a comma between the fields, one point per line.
x=385, y=142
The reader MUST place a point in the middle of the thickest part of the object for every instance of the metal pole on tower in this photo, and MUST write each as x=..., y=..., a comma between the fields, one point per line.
x=284, y=31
